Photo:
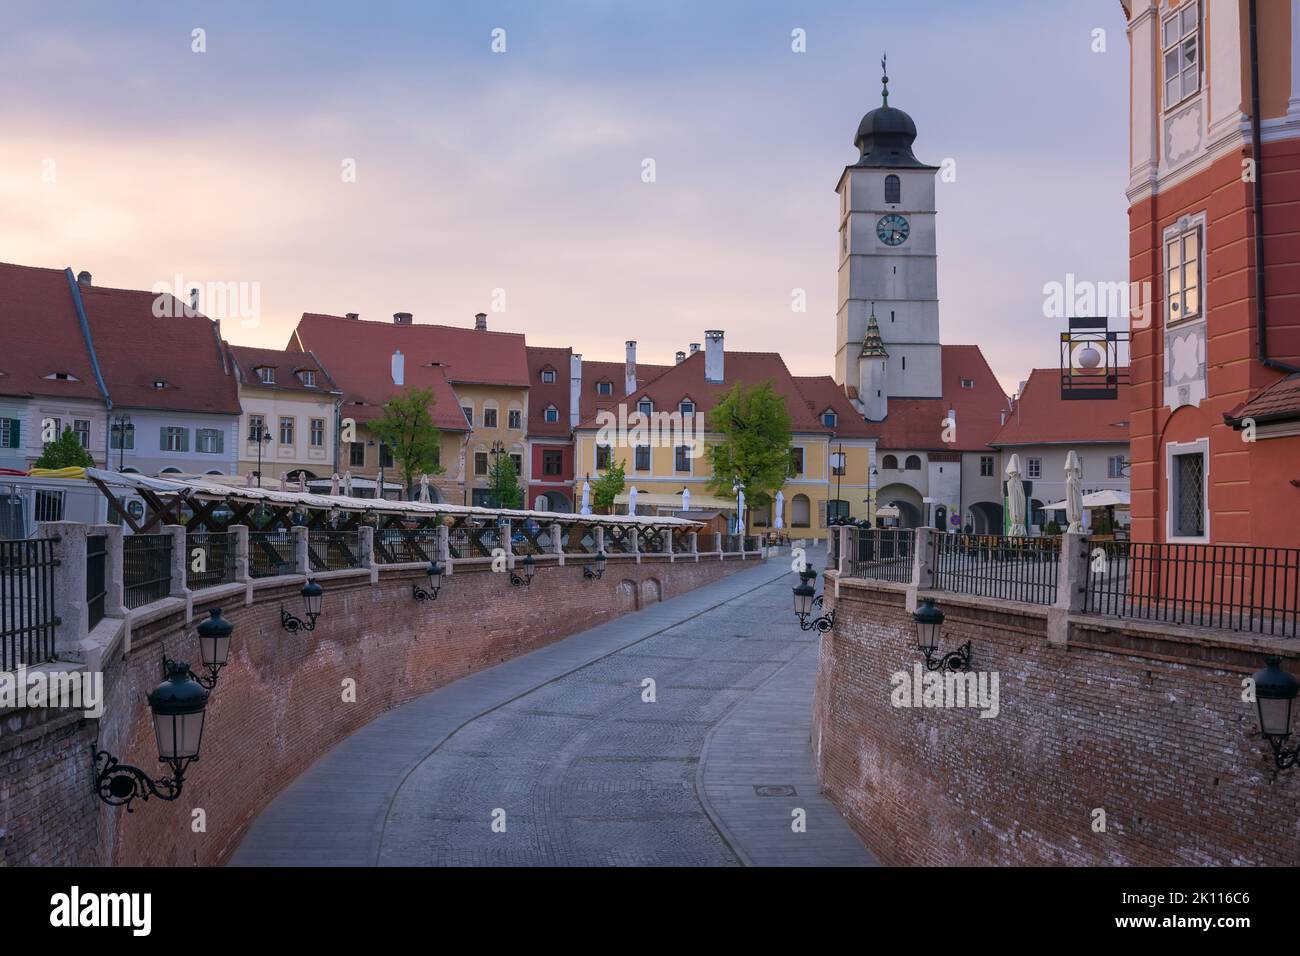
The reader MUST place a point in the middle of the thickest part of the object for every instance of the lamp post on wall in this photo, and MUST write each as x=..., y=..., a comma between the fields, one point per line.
x=805, y=602
x=434, y=573
x=1275, y=692
x=929, y=622
x=313, y=597
x=214, y=648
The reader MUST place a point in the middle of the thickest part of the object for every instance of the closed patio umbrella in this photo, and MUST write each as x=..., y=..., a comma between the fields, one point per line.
x=1073, y=494
x=686, y=499
x=424, y=489
x=334, y=485
x=586, y=498
x=779, y=518
x=631, y=501
x=1015, y=497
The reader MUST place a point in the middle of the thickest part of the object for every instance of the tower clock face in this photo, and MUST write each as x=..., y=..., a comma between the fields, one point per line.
x=892, y=230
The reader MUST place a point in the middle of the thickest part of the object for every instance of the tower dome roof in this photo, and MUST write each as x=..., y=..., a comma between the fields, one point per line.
x=886, y=134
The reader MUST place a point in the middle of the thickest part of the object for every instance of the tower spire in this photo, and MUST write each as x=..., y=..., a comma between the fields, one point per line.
x=872, y=343
x=884, y=80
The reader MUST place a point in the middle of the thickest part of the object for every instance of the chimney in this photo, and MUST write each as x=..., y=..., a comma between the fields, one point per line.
x=681, y=357
x=194, y=299
x=402, y=318
x=354, y=315
x=83, y=277
x=695, y=347
x=629, y=369
x=713, y=354
x=575, y=389
x=399, y=368
x=1002, y=417
x=480, y=322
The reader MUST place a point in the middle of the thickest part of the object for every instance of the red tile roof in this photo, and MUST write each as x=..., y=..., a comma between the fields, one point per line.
x=136, y=348
x=821, y=393
x=593, y=373
x=41, y=335
x=358, y=356
x=1273, y=403
x=686, y=381
x=917, y=423
x=540, y=394
x=1041, y=417
x=287, y=364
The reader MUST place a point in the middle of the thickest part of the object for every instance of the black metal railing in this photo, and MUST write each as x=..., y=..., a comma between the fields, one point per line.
x=1234, y=587
x=27, y=618
x=404, y=545
x=270, y=553
x=96, y=578
x=618, y=539
x=753, y=542
x=329, y=550
x=209, y=559
x=651, y=540
x=833, y=560
x=682, y=540
x=882, y=554
x=468, y=542
x=146, y=568
x=1006, y=567
x=732, y=543
x=579, y=539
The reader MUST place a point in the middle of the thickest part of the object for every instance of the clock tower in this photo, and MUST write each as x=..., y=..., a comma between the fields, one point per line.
x=888, y=266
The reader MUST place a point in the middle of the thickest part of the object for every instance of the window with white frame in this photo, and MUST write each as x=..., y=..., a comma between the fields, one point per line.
x=469, y=414
x=1033, y=468
x=552, y=413
x=687, y=407
x=81, y=428
x=986, y=466
x=645, y=406
x=682, y=458
x=489, y=418
x=604, y=388
x=515, y=418
x=286, y=430
x=307, y=377
x=174, y=438
x=266, y=374
x=318, y=433
x=1180, y=40
x=209, y=441
x=829, y=418
x=1187, y=494
x=1115, y=466
x=548, y=376
x=1183, y=275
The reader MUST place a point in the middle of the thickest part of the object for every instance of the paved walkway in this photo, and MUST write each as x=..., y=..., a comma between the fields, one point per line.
x=561, y=748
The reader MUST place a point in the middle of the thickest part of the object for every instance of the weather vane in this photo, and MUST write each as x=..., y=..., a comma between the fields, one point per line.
x=884, y=79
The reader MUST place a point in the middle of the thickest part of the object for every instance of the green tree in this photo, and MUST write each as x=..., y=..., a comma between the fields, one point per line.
x=503, y=481
x=65, y=452
x=608, y=487
x=407, y=428
x=754, y=430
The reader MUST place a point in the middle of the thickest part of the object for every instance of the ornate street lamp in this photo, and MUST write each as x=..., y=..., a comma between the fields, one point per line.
x=313, y=596
x=122, y=429
x=598, y=570
x=837, y=469
x=214, y=648
x=262, y=436
x=929, y=622
x=804, y=602
x=435, y=581
x=525, y=579
x=177, y=705
x=1275, y=690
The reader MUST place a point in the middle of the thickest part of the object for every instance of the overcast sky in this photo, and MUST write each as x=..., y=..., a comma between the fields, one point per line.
x=129, y=155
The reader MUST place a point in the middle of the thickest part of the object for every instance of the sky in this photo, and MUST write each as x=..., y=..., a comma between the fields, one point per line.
x=381, y=157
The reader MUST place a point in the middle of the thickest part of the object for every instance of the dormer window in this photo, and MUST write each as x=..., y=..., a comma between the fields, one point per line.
x=687, y=407
x=548, y=376
x=552, y=413
x=307, y=377
x=266, y=374
x=645, y=406
x=62, y=377
x=968, y=383
x=829, y=418
x=159, y=383
x=604, y=388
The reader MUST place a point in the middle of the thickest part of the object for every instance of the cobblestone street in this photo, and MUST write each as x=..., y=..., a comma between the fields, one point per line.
x=575, y=768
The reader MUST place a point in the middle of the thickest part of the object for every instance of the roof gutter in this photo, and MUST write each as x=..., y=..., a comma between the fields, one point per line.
x=80, y=306
x=1261, y=306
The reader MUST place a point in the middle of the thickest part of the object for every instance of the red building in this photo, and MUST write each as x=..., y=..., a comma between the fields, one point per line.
x=1214, y=246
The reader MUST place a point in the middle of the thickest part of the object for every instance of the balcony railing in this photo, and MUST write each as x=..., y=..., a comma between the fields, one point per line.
x=996, y=566
x=217, y=549
x=27, y=618
x=146, y=568
x=882, y=554
x=1239, y=588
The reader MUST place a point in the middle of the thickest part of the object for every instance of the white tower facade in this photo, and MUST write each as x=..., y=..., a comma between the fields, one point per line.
x=887, y=259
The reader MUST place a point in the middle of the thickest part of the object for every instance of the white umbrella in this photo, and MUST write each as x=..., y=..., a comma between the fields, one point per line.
x=334, y=485
x=740, y=511
x=284, y=485
x=302, y=481
x=686, y=499
x=1015, y=497
x=1073, y=494
x=631, y=501
x=424, y=489
x=780, y=511
x=347, y=483
x=586, y=498
x=251, y=479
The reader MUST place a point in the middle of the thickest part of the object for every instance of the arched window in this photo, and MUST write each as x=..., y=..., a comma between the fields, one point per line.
x=889, y=462
x=913, y=463
x=893, y=189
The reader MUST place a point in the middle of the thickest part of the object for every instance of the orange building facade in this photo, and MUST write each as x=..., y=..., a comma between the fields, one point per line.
x=1215, y=421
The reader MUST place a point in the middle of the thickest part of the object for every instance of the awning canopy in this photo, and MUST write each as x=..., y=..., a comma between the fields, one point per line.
x=1107, y=498
x=204, y=489
x=659, y=499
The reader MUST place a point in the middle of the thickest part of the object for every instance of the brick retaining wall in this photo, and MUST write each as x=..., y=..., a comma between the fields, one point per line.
x=1144, y=722
x=279, y=703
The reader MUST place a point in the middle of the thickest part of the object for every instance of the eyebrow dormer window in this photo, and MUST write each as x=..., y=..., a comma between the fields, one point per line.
x=266, y=374
x=604, y=388
x=307, y=377
x=829, y=418
x=62, y=377
x=893, y=189
x=548, y=376
x=552, y=413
